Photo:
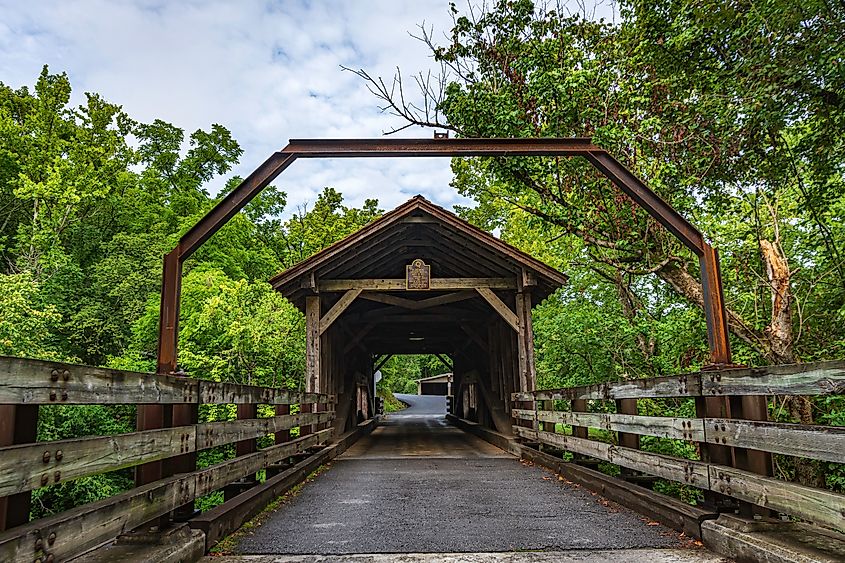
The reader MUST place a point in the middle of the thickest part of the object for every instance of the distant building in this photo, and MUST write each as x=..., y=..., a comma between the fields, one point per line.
x=435, y=385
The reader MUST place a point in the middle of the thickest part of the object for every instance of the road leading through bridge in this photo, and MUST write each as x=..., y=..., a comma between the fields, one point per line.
x=419, y=485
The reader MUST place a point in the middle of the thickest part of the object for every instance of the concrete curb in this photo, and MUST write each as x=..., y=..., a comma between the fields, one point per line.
x=772, y=541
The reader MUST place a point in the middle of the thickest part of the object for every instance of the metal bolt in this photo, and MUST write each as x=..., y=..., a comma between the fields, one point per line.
x=52, y=395
x=721, y=488
x=64, y=395
x=46, y=457
x=59, y=455
x=38, y=544
x=54, y=375
x=38, y=560
x=57, y=476
x=44, y=480
x=729, y=490
x=50, y=558
x=51, y=539
x=66, y=375
x=718, y=377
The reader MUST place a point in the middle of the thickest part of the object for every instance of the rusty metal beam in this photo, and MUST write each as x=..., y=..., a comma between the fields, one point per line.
x=233, y=202
x=636, y=189
x=365, y=148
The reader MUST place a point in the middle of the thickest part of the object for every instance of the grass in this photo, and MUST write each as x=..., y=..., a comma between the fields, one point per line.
x=391, y=403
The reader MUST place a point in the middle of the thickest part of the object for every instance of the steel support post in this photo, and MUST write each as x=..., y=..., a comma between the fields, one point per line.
x=18, y=425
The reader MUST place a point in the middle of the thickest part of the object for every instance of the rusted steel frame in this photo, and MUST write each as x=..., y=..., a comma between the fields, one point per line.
x=357, y=148
x=613, y=169
x=234, y=202
x=18, y=425
x=636, y=189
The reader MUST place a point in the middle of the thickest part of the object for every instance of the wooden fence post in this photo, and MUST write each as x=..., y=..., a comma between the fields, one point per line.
x=244, y=447
x=626, y=439
x=580, y=405
x=280, y=437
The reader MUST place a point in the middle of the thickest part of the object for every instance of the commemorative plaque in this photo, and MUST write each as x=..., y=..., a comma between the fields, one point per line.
x=418, y=275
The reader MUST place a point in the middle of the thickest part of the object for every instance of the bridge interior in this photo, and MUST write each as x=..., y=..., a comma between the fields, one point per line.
x=417, y=484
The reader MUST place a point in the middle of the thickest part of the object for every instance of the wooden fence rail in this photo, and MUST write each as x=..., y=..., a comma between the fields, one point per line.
x=24, y=467
x=824, y=443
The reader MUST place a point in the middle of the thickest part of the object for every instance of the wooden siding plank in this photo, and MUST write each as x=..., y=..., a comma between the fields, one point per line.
x=816, y=505
x=687, y=385
x=22, y=467
x=36, y=382
x=662, y=427
x=675, y=469
x=212, y=392
x=817, y=378
x=826, y=443
x=211, y=434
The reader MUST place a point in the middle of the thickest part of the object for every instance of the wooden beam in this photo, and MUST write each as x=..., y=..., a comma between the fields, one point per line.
x=474, y=336
x=312, y=343
x=381, y=362
x=445, y=299
x=415, y=305
x=444, y=360
x=338, y=308
x=399, y=284
x=357, y=337
x=526, y=339
x=388, y=299
x=499, y=306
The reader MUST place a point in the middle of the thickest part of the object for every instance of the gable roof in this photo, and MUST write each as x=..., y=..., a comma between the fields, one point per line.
x=418, y=229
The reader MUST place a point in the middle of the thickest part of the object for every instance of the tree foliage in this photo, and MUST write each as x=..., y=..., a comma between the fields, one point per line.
x=91, y=200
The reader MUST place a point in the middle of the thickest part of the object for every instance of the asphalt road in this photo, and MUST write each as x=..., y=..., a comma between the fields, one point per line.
x=422, y=404
x=419, y=485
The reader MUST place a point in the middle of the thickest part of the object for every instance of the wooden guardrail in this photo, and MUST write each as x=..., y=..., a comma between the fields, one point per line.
x=25, y=467
x=826, y=443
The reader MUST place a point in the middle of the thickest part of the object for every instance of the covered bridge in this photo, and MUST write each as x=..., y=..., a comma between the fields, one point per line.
x=420, y=280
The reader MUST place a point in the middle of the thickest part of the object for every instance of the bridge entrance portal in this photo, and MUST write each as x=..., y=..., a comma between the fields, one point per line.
x=420, y=280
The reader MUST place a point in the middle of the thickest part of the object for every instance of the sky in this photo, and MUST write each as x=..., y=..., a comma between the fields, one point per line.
x=269, y=71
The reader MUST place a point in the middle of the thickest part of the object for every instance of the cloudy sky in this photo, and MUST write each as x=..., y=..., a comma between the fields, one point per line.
x=267, y=70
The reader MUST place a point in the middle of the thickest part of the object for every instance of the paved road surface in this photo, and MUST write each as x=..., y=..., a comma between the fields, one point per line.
x=419, y=485
x=422, y=404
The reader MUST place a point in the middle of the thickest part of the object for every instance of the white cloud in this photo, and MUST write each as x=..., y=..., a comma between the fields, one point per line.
x=268, y=71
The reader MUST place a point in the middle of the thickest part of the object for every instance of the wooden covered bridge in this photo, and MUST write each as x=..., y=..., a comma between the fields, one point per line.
x=421, y=280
